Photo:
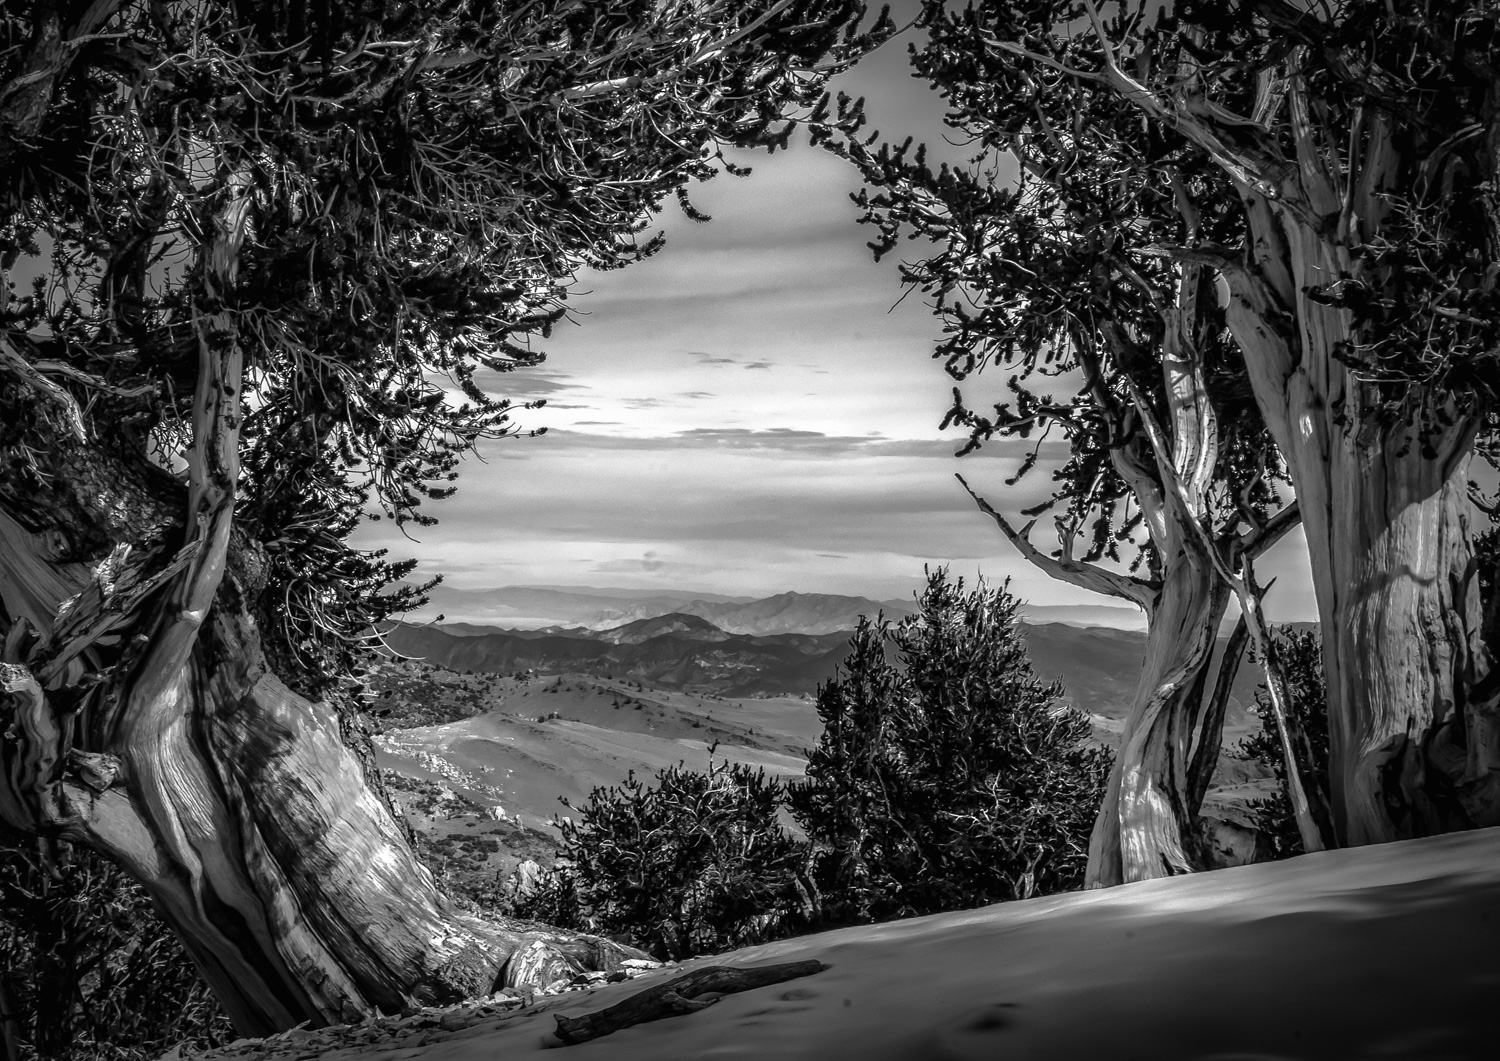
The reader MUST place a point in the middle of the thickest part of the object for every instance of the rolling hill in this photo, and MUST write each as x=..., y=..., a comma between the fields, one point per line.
x=483, y=730
x=678, y=651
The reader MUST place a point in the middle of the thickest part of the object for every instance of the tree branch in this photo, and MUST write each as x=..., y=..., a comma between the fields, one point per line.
x=31, y=752
x=26, y=98
x=1078, y=573
x=1205, y=756
x=213, y=456
x=1264, y=175
x=677, y=996
x=67, y=409
x=1272, y=531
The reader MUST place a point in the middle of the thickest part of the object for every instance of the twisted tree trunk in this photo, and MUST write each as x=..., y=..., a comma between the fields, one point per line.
x=235, y=803
x=1147, y=822
x=142, y=719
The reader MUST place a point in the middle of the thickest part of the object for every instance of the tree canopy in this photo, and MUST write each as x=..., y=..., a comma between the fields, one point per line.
x=1332, y=167
x=283, y=255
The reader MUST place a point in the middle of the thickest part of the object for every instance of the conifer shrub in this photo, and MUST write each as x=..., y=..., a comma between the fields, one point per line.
x=695, y=863
x=948, y=775
x=87, y=970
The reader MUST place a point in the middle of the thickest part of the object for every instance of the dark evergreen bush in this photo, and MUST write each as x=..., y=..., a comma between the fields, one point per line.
x=695, y=864
x=949, y=776
x=87, y=970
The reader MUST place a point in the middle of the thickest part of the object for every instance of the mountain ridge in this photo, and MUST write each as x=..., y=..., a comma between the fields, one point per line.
x=596, y=608
x=790, y=612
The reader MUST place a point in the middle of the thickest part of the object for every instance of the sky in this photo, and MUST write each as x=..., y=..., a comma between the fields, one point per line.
x=753, y=410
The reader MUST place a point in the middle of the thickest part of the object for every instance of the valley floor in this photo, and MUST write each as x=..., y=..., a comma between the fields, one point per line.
x=1382, y=952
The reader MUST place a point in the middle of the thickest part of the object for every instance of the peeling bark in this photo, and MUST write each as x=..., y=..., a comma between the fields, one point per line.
x=1414, y=744
x=1146, y=822
x=1388, y=529
x=237, y=805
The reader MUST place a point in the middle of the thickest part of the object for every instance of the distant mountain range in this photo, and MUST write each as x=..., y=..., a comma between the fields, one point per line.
x=1097, y=665
x=599, y=608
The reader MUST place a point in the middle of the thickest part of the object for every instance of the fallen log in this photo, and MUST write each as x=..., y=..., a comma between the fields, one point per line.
x=677, y=996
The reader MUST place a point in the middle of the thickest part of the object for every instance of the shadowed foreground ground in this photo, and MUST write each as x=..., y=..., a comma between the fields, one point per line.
x=1384, y=952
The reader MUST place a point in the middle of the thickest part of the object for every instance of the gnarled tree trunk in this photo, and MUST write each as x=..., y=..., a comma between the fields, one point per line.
x=1381, y=478
x=1147, y=823
x=236, y=804
x=143, y=721
x=1386, y=507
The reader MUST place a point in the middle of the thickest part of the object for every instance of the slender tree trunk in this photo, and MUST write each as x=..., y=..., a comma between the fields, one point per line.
x=1308, y=829
x=1146, y=825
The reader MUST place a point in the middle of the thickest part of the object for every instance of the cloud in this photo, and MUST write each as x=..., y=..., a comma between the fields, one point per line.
x=696, y=395
x=649, y=563
x=802, y=442
x=758, y=364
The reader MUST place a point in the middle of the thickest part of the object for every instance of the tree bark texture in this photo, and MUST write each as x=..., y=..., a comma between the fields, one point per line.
x=1387, y=514
x=1413, y=726
x=1147, y=821
x=234, y=801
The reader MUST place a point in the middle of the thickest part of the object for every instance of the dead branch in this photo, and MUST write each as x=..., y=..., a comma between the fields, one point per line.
x=1066, y=569
x=676, y=996
x=112, y=595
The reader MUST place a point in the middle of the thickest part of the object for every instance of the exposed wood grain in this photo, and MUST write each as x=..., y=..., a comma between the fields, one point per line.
x=676, y=996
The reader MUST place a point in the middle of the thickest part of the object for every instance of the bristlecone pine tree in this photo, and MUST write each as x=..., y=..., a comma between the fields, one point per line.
x=1046, y=269
x=950, y=776
x=283, y=252
x=1360, y=140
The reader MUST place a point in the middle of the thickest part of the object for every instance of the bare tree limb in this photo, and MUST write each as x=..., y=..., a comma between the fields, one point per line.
x=62, y=402
x=1272, y=531
x=1066, y=569
x=33, y=750
x=677, y=996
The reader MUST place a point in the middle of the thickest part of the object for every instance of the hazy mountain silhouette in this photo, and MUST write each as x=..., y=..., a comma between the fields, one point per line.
x=599, y=609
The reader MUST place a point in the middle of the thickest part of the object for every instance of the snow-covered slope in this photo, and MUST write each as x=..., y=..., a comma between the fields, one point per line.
x=1382, y=952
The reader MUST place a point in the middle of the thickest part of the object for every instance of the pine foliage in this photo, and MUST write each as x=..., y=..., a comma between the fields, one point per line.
x=950, y=776
x=87, y=970
x=695, y=864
